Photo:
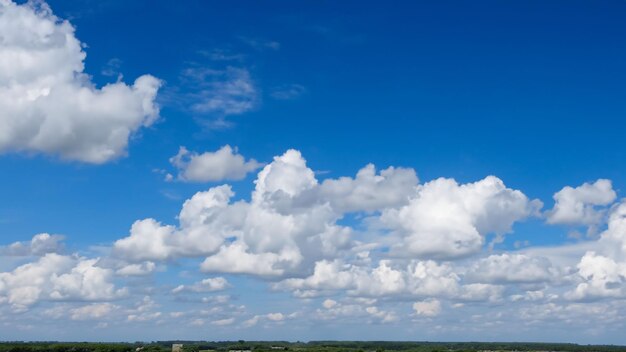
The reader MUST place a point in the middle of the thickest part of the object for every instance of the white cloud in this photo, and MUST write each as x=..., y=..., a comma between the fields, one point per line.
x=603, y=277
x=236, y=259
x=39, y=245
x=205, y=221
x=384, y=316
x=602, y=271
x=513, y=268
x=279, y=234
x=49, y=105
x=369, y=191
x=276, y=318
x=289, y=223
x=418, y=278
x=289, y=229
x=355, y=309
x=92, y=311
x=57, y=277
x=223, y=164
x=144, y=310
x=140, y=269
x=251, y=322
x=207, y=285
x=580, y=205
x=429, y=278
x=481, y=292
x=446, y=220
x=427, y=308
x=327, y=275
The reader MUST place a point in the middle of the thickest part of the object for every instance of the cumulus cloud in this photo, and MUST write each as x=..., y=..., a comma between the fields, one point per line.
x=602, y=272
x=205, y=221
x=272, y=236
x=39, y=245
x=49, y=105
x=289, y=231
x=417, y=279
x=292, y=218
x=332, y=241
x=237, y=259
x=513, y=268
x=56, y=277
x=582, y=205
x=223, y=164
x=447, y=220
x=603, y=277
x=370, y=191
x=290, y=225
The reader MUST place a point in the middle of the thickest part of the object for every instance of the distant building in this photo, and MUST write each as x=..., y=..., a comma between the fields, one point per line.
x=177, y=347
x=278, y=347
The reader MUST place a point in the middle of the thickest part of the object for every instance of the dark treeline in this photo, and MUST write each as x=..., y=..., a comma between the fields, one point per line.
x=313, y=346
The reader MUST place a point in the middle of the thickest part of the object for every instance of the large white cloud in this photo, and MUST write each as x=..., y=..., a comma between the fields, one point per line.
x=291, y=220
x=602, y=271
x=448, y=220
x=273, y=234
x=602, y=276
x=205, y=221
x=579, y=206
x=223, y=164
x=57, y=277
x=278, y=235
x=49, y=105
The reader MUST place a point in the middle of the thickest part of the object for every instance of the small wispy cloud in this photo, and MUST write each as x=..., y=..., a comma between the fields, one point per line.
x=112, y=68
x=222, y=55
x=288, y=92
x=223, y=92
x=260, y=44
x=213, y=94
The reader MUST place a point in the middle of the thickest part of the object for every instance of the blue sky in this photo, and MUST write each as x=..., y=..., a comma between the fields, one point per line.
x=494, y=211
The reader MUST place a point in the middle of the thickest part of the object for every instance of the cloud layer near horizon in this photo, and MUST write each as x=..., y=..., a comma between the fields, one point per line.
x=379, y=246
